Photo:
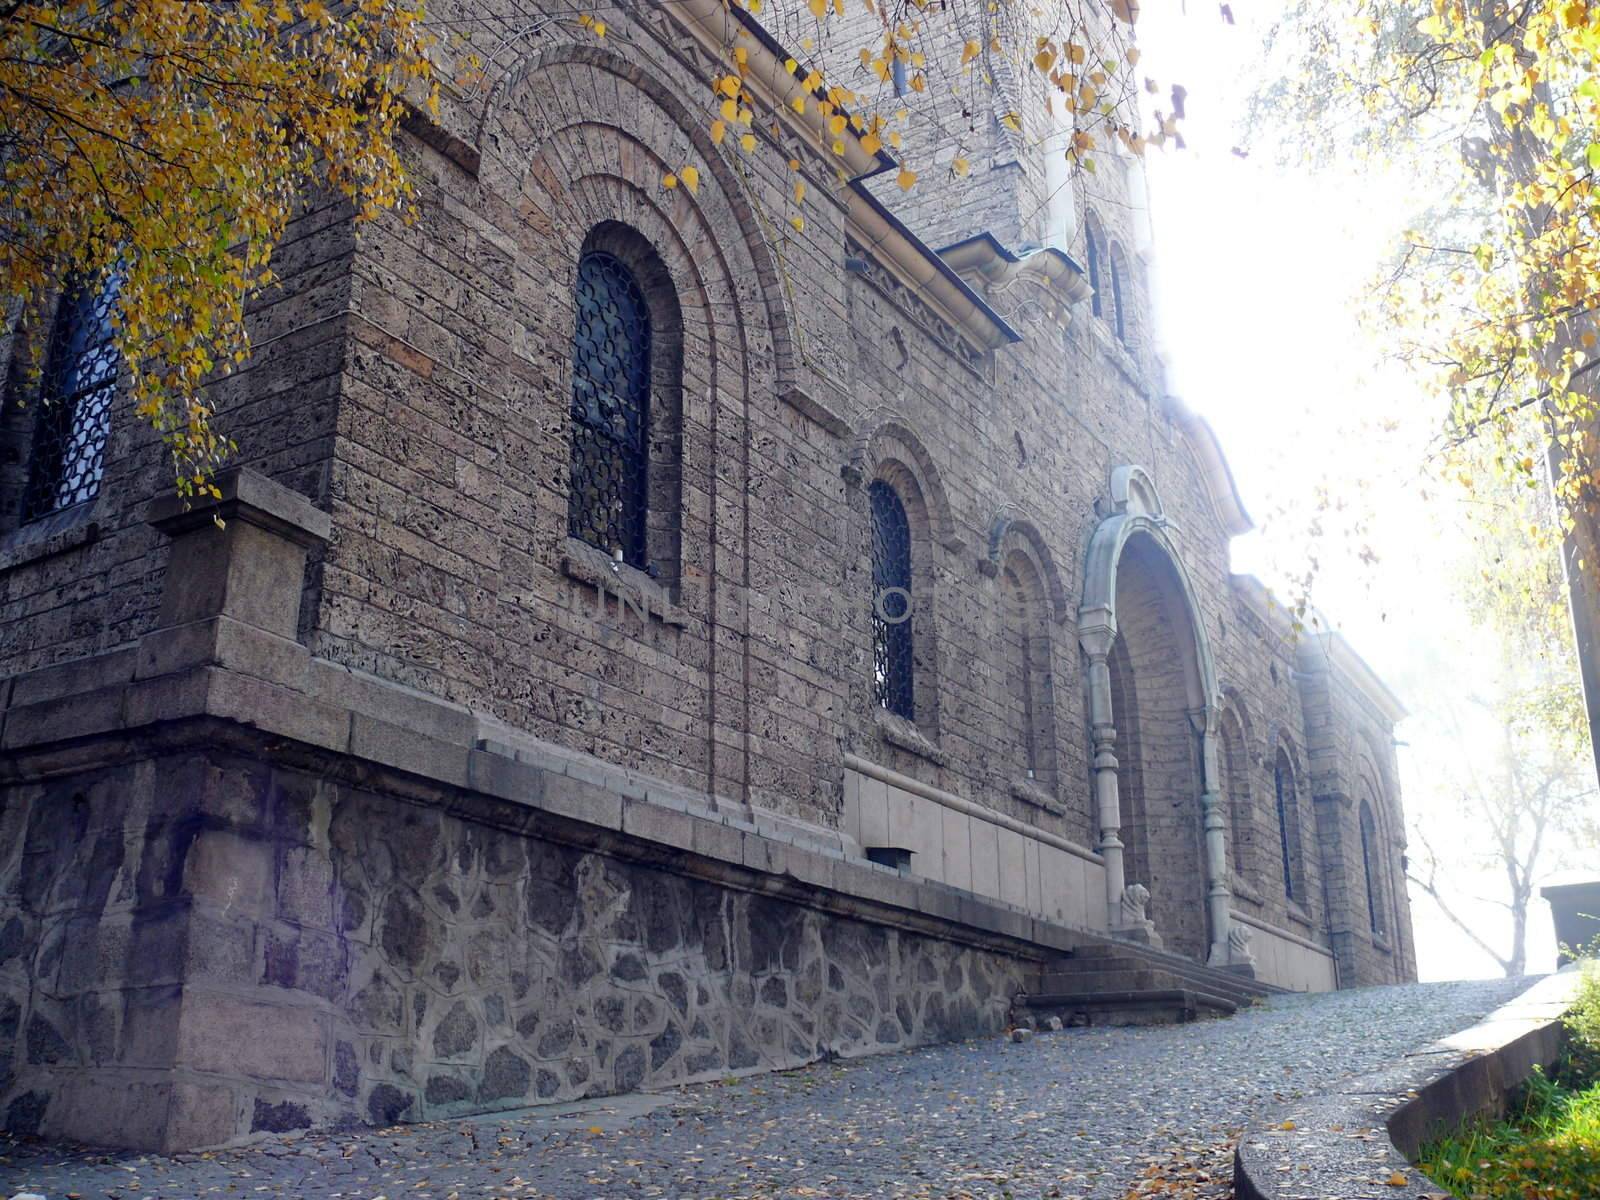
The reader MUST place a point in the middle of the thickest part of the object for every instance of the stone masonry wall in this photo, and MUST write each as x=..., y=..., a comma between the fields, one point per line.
x=196, y=944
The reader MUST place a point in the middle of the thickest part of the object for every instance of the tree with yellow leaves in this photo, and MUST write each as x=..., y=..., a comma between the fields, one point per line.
x=164, y=144
x=864, y=65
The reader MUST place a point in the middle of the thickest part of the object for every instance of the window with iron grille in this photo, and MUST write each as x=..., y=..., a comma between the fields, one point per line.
x=73, y=419
x=1283, y=785
x=1369, y=859
x=1119, y=306
x=607, y=505
x=891, y=602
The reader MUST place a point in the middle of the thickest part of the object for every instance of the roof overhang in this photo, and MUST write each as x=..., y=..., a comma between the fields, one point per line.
x=1214, y=466
x=983, y=257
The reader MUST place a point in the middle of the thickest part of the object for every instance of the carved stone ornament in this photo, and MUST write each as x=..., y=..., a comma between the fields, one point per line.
x=1239, y=935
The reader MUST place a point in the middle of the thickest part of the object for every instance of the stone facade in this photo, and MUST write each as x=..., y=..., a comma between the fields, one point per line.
x=501, y=818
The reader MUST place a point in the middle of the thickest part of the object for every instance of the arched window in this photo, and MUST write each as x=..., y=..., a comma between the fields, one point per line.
x=608, y=500
x=1027, y=662
x=73, y=420
x=1235, y=781
x=1119, y=294
x=1288, y=823
x=891, y=602
x=1371, y=865
x=1093, y=248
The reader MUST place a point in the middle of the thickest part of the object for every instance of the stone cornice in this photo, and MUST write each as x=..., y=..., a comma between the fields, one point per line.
x=1320, y=652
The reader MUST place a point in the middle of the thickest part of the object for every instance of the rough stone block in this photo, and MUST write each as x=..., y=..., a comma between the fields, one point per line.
x=200, y=1115
x=230, y=1036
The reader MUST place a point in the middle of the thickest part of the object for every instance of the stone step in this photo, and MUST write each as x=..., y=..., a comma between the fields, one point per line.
x=1136, y=1006
x=1228, y=981
x=1111, y=978
x=1117, y=972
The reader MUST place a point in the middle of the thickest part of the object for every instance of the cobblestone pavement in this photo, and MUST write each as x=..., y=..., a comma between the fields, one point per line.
x=1079, y=1113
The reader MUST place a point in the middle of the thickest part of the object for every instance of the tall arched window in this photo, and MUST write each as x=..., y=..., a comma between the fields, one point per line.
x=1119, y=293
x=1371, y=865
x=1235, y=781
x=608, y=501
x=1288, y=823
x=73, y=419
x=1093, y=248
x=891, y=602
x=1027, y=656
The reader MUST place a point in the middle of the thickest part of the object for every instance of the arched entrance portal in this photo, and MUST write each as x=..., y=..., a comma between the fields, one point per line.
x=1155, y=676
x=1153, y=710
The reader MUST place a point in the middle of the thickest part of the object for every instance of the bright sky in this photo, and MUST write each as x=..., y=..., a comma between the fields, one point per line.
x=1257, y=277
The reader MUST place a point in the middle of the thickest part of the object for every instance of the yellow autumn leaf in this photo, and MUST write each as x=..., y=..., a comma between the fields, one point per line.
x=906, y=179
x=799, y=223
x=871, y=143
x=960, y=166
x=748, y=142
x=669, y=180
x=719, y=130
x=1288, y=1126
x=799, y=192
x=969, y=52
x=1397, y=1179
x=691, y=178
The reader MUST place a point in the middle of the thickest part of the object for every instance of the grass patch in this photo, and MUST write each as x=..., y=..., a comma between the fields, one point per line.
x=1547, y=1148
x=1548, y=1145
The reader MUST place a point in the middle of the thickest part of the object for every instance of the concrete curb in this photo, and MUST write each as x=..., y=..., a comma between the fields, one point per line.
x=1356, y=1142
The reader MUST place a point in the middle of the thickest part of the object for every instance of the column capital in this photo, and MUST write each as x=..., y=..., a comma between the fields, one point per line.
x=1097, y=630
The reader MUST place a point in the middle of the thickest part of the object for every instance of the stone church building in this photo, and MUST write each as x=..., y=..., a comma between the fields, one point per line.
x=650, y=638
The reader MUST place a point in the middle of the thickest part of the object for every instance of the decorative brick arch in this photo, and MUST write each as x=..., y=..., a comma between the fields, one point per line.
x=556, y=166
x=1011, y=532
x=886, y=437
x=537, y=96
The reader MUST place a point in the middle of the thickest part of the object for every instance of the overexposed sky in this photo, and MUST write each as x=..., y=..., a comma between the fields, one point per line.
x=1257, y=276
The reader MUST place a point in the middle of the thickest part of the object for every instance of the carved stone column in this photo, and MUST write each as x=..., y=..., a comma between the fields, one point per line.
x=1219, y=896
x=1096, y=633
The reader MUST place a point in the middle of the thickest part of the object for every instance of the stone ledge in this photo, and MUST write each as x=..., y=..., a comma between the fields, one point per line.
x=49, y=537
x=249, y=496
x=1352, y=1141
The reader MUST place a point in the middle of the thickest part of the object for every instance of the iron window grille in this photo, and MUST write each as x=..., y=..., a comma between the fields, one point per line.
x=73, y=422
x=1280, y=782
x=608, y=502
x=891, y=602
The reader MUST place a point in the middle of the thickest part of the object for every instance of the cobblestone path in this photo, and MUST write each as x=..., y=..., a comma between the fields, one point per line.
x=1080, y=1113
